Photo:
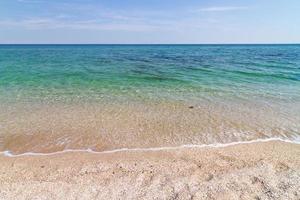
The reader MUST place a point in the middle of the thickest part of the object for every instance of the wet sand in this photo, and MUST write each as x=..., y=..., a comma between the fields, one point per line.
x=262, y=170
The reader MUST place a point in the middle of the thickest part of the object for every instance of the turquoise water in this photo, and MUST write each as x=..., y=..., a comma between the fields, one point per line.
x=104, y=97
x=150, y=71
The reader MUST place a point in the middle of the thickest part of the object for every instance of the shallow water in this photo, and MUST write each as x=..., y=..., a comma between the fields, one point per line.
x=105, y=97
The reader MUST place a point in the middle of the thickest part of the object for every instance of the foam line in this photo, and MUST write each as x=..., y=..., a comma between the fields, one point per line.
x=216, y=145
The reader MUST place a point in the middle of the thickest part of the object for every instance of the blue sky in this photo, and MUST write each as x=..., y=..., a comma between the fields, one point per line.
x=149, y=21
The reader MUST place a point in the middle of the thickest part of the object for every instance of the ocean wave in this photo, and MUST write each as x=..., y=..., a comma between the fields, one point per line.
x=8, y=153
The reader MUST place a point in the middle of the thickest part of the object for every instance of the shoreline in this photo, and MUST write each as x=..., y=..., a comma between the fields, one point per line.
x=261, y=170
x=8, y=153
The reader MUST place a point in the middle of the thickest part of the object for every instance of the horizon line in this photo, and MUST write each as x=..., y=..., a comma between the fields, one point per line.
x=150, y=43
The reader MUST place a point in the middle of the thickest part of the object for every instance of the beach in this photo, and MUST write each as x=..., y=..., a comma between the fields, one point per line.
x=149, y=122
x=149, y=100
x=259, y=170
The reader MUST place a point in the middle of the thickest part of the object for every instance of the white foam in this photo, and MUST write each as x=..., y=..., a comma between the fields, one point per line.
x=216, y=145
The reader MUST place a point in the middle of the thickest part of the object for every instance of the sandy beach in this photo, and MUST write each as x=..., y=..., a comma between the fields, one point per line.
x=262, y=170
x=142, y=100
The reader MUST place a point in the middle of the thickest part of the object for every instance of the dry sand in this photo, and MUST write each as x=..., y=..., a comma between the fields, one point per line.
x=263, y=170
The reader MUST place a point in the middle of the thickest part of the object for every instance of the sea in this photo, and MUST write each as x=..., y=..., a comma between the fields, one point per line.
x=109, y=97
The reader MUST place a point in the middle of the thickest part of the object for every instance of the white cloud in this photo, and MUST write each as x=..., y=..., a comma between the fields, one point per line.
x=222, y=8
x=48, y=23
x=30, y=1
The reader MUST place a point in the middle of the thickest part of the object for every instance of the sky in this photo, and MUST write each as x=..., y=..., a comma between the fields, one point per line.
x=149, y=21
